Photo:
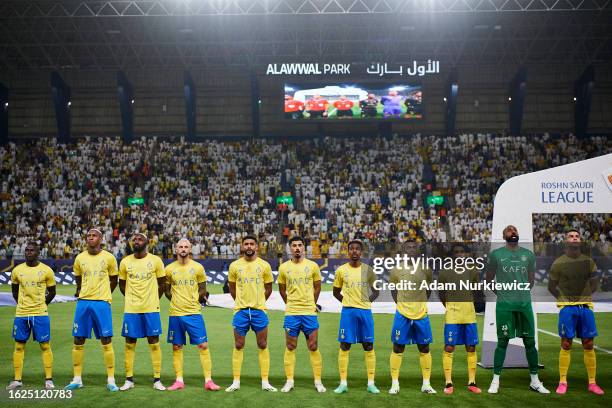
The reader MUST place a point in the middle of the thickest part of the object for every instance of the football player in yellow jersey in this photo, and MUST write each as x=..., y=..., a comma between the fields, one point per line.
x=250, y=282
x=95, y=272
x=142, y=281
x=572, y=281
x=299, y=284
x=411, y=323
x=33, y=287
x=460, y=320
x=186, y=290
x=353, y=286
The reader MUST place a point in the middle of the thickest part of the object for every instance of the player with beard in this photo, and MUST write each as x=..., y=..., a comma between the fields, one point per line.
x=514, y=313
x=572, y=280
x=299, y=284
x=95, y=272
x=186, y=290
x=353, y=287
x=250, y=282
x=142, y=281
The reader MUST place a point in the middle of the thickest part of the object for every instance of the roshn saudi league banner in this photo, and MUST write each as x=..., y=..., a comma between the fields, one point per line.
x=581, y=187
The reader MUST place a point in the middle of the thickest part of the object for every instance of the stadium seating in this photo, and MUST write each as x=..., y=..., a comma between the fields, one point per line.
x=213, y=192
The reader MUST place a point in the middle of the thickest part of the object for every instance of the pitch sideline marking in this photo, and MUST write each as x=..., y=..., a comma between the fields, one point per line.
x=576, y=341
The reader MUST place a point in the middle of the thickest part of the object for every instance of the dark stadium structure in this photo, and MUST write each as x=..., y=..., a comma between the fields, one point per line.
x=221, y=50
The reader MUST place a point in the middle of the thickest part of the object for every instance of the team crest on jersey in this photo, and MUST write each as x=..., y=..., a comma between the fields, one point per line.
x=192, y=271
x=524, y=258
x=40, y=274
x=258, y=269
x=149, y=265
x=102, y=264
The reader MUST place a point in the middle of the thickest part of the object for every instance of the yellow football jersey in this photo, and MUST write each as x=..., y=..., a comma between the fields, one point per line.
x=94, y=271
x=33, y=282
x=355, y=284
x=411, y=303
x=573, y=276
x=184, y=281
x=140, y=275
x=459, y=303
x=299, y=278
x=250, y=277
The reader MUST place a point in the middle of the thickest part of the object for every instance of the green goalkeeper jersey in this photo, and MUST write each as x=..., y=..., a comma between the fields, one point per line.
x=512, y=266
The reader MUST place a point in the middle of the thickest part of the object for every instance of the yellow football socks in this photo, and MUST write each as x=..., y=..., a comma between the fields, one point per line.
x=47, y=358
x=237, y=356
x=206, y=363
x=565, y=357
x=343, y=362
x=590, y=362
x=77, y=359
x=370, y=361
x=395, y=362
x=109, y=360
x=447, y=365
x=425, y=361
x=471, y=364
x=18, y=356
x=264, y=363
x=177, y=362
x=289, y=361
x=316, y=361
x=130, y=352
x=156, y=359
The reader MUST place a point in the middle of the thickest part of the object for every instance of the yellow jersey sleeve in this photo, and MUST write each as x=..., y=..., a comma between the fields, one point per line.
x=49, y=277
x=200, y=274
x=233, y=273
x=76, y=267
x=338, y=278
x=122, y=270
x=112, y=265
x=267, y=274
x=282, y=275
x=14, y=277
x=159, y=268
x=316, y=273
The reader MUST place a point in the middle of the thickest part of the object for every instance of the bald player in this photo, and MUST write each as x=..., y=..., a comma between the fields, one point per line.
x=95, y=272
x=186, y=290
x=142, y=281
x=513, y=310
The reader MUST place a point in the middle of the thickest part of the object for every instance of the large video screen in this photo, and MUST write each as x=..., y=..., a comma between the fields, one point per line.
x=342, y=101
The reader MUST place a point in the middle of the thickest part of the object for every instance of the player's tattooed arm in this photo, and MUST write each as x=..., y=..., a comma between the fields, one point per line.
x=282, y=289
x=161, y=286
x=268, y=289
x=50, y=294
x=201, y=292
x=15, y=290
x=168, y=291
x=113, y=282
x=317, y=290
x=122, y=286
x=78, y=279
x=232, y=289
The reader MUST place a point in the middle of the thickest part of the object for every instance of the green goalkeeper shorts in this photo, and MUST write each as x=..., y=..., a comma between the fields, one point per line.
x=513, y=323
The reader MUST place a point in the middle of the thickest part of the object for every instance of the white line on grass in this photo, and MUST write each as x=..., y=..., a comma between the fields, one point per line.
x=576, y=341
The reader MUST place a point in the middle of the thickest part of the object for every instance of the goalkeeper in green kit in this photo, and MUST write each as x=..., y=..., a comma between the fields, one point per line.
x=514, y=266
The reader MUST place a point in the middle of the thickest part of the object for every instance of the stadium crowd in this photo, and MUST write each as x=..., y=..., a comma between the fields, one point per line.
x=214, y=192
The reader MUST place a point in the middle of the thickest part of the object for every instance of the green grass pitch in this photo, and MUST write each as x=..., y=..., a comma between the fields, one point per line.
x=514, y=384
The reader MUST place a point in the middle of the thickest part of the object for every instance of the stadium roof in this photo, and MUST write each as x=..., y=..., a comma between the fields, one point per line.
x=112, y=35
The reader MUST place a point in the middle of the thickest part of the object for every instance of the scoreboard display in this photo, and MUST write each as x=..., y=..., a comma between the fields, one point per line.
x=355, y=101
